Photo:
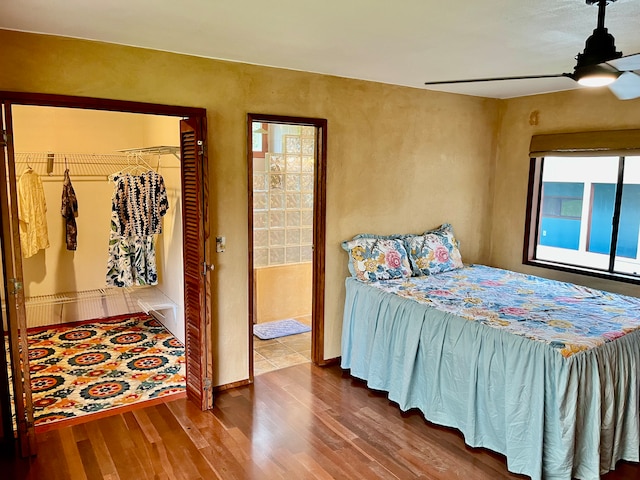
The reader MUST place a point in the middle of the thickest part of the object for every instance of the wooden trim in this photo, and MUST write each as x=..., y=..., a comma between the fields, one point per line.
x=319, y=229
x=286, y=120
x=534, y=194
x=5, y=364
x=330, y=362
x=90, y=103
x=229, y=386
x=6, y=423
x=319, y=239
x=46, y=427
x=15, y=301
x=251, y=291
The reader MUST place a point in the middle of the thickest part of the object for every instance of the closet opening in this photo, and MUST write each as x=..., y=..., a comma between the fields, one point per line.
x=286, y=158
x=115, y=313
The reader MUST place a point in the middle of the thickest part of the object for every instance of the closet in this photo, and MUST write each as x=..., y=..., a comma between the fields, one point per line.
x=63, y=286
x=88, y=132
x=90, y=350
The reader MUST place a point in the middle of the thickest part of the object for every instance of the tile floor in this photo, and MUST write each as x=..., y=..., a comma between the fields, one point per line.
x=277, y=353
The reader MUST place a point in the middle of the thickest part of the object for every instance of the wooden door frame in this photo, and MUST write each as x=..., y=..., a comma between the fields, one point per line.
x=14, y=298
x=88, y=103
x=319, y=230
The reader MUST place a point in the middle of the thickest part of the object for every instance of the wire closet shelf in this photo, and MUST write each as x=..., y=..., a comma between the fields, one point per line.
x=91, y=165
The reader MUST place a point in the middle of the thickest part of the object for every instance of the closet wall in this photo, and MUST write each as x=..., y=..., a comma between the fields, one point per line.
x=65, y=286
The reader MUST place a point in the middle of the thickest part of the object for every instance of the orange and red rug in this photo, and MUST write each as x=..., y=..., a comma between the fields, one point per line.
x=102, y=365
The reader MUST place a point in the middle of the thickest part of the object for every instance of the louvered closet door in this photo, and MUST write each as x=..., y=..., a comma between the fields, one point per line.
x=14, y=293
x=196, y=249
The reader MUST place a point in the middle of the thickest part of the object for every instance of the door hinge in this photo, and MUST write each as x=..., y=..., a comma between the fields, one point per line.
x=17, y=286
x=5, y=138
x=206, y=384
x=202, y=147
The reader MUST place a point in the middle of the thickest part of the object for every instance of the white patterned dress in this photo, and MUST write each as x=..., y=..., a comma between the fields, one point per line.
x=138, y=204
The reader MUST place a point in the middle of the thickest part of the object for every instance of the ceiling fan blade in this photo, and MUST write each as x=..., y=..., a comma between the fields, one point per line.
x=627, y=86
x=627, y=63
x=526, y=77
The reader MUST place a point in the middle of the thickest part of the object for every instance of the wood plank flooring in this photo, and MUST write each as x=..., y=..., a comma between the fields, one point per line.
x=302, y=422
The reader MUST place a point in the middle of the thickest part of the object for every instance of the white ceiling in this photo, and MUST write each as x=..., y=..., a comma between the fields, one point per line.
x=402, y=42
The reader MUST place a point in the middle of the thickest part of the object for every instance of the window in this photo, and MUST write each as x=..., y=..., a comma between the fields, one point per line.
x=283, y=196
x=259, y=139
x=584, y=211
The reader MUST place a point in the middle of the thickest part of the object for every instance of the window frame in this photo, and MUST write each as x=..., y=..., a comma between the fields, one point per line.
x=532, y=224
x=264, y=140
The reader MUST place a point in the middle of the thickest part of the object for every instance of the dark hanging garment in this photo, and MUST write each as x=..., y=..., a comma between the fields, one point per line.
x=69, y=211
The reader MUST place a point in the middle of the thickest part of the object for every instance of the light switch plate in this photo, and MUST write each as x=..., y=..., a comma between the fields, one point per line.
x=221, y=244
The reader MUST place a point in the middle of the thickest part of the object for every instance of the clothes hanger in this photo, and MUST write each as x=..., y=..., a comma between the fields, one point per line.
x=140, y=166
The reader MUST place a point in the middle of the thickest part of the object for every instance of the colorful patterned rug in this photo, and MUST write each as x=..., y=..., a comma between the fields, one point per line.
x=102, y=365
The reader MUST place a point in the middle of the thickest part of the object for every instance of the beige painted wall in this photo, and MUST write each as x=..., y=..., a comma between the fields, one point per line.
x=283, y=291
x=584, y=110
x=399, y=159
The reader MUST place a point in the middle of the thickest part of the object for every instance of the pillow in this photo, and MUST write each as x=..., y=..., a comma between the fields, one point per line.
x=435, y=251
x=393, y=236
x=373, y=259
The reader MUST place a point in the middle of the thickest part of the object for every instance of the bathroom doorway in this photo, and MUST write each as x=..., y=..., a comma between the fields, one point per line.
x=286, y=221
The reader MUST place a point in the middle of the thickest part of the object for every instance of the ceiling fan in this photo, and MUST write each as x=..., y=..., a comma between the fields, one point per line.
x=600, y=64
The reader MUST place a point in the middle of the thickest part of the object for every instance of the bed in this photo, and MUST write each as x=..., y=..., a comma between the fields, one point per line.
x=543, y=372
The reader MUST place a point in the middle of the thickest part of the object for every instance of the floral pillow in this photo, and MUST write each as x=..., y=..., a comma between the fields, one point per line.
x=434, y=251
x=393, y=236
x=373, y=259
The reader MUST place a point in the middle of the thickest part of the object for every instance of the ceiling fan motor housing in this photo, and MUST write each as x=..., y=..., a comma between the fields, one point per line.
x=599, y=48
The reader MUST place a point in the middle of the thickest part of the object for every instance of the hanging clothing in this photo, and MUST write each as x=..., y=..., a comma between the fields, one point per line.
x=140, y=201
x=132, y=260
x=32, y=213
x=69, y=211
x=137, y=206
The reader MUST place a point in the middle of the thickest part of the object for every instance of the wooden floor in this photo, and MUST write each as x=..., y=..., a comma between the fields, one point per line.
x=296, y=423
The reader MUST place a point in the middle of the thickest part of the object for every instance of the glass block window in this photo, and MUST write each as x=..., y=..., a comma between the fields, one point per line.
x=283, y=184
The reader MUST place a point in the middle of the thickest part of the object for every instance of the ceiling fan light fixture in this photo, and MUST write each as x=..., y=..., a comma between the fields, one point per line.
x=596, y=75
x=596, y=80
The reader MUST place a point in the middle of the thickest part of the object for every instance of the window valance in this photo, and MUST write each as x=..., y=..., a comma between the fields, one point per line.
x=600, y=143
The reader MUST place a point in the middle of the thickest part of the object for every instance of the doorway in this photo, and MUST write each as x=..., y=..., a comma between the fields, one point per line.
x=286, y=159
x=191, y=210
x=105, y=331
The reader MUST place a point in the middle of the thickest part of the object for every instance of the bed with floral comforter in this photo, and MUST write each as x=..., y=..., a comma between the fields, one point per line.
x=544, y=372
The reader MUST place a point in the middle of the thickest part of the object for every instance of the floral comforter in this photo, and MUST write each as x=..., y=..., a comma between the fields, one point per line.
x=568, y=317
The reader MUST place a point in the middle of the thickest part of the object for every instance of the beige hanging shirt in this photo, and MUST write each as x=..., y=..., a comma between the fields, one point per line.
x=32, y=213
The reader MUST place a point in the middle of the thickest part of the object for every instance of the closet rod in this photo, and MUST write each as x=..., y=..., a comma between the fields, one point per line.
x=53, y=164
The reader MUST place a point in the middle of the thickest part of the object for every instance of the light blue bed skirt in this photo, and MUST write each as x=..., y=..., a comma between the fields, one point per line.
x=552, y=417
